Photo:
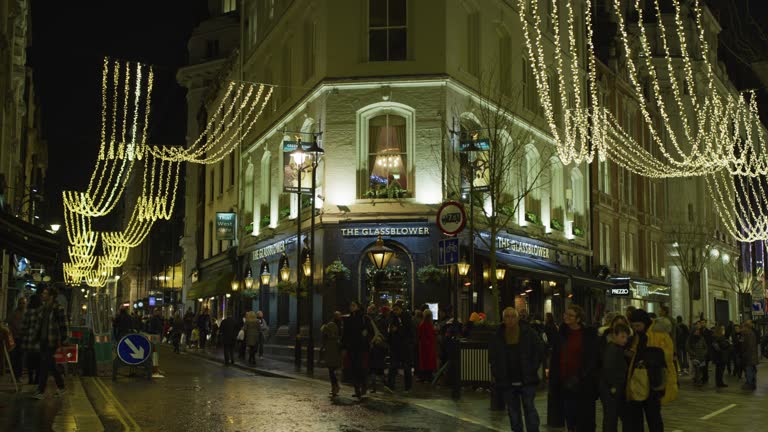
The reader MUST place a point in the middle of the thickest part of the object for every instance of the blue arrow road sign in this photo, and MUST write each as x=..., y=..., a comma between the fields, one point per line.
x=134, y=349
x=448, y=251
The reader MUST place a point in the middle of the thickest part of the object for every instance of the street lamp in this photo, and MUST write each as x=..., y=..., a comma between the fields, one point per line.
x=463, y=267
x=285, y=270
x=265, y=276
x=380, y=254
x=55, y=228
x=235, y=284
x=307, y=267
x=500, y=272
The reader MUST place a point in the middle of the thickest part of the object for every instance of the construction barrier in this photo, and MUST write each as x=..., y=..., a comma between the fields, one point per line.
x=156, y=340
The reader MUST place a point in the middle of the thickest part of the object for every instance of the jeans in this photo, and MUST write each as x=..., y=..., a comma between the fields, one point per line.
x=251, y=354
x=407, y=375
x=515, y=396
x=33, y=365
x=719, y=370
x=17, y=360
x=579, y=412
x=633, y=419
x=332, y=376
x=358, y=370
x=203, y=337
x=612, y=408
x=750, y=372
x=48, y=364
x=229, y=354
x=682, y=357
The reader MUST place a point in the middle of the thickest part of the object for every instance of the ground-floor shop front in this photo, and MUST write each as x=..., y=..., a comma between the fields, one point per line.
x=639, y=293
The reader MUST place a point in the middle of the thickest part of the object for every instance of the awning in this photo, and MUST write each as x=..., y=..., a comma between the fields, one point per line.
x=215, y=285
x=524, y=264
x=27, y=240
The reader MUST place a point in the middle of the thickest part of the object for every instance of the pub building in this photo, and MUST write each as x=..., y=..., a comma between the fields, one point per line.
x=411, y=242
x=539, y=277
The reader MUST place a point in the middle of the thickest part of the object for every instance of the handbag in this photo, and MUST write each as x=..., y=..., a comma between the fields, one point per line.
x=241, y=335
x=638, y=384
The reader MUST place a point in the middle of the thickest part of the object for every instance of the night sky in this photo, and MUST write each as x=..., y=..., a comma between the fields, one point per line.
x=69, y=42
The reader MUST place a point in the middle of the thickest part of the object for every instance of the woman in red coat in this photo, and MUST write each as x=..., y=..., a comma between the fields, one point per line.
x=427, y=346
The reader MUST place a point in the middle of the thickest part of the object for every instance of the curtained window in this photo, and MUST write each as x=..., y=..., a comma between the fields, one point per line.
x=387, y=155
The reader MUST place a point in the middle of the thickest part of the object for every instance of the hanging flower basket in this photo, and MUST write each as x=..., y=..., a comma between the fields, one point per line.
x=337, y=271
x=290, y=288
x=430, y=274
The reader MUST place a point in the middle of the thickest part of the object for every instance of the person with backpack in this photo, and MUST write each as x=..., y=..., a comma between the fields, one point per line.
x=613, y=376
x=681, y=344
x=652, y=377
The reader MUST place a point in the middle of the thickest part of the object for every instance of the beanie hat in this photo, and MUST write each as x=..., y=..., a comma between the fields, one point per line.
x=639, y=315
x=474, y=317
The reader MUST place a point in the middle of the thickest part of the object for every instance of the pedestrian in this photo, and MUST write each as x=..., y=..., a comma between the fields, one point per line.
x=377, y=358
x=418, y=316
x=263, y=333
x=721, y=349
x=573, y=374
x=707, y=334
x=749, y=355
x=177, y=329
x=241, y=338
x=15, y=326
x=124, y=324
x=228, y=336
x=189, y=324
x=357, y=333
x=652, y=349
x=52, y=335
x=613, y=377
x=427, y=347
x=331, y=333
x=401, y=346
x=252, y=335
x=737, y=340
x=214, y=332
x=155, y=323
x=681, y=344
x=204, y=327
x=30, y=337
x=515, y=354
x=628, y=312
x=697, y=350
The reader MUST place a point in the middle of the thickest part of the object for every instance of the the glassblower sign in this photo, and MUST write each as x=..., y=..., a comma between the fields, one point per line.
x=451, y=218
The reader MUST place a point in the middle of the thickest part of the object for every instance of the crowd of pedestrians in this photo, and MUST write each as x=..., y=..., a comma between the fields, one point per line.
x=39, y=328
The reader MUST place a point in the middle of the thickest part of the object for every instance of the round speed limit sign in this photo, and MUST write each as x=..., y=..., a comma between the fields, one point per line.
x=451, y=218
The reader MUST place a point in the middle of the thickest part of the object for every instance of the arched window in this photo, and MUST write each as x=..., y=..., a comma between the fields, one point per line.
x=386, y=135
x=265, y=193
x=556, y=194
x=532, y=185
x=248, y=194
x=579, y=202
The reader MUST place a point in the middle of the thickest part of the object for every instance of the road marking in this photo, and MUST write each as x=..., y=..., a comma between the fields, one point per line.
x=119, y=407
x=720, y=411
x=109, y=401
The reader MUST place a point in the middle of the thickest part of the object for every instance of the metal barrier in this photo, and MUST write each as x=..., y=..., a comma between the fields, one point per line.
x=474, y=368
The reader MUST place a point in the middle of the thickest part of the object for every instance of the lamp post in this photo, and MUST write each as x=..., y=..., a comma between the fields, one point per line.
x=306, y=158
x=462, y=267
x=379, y=255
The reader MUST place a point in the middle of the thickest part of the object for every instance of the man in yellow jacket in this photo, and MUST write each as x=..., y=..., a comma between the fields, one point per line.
x=653, y=350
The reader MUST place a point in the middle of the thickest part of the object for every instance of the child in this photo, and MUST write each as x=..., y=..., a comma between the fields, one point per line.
x=613, y=379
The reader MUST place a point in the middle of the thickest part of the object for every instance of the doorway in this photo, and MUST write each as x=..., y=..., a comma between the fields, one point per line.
x=722, y=311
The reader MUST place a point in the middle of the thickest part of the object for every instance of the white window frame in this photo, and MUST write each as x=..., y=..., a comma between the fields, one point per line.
x=363, y=117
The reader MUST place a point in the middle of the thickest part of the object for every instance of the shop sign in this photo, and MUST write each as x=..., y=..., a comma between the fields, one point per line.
x=225, y=226
x=391, y=231
x=522, y=247
x=267, y=251
x=619, y=292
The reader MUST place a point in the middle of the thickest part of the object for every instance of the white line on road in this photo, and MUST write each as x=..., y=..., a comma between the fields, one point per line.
x=720, y=411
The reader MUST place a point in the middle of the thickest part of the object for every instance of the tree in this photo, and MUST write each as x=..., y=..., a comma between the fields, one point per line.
x=504, y=175
x=690, y=250
x=741, y=282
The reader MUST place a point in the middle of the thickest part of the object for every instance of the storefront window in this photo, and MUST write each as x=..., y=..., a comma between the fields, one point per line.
x=387, y=157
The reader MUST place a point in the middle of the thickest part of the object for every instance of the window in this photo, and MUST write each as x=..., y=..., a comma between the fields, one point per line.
x=626, y=187
x=232, y=168
x=221, y=177
x=527, y=100
x=387, y=153
x=652, y=199
x=310, y=30
x=604, y=177
x=265, y=193
x=211, y=49
x=210, y=238
x=285, y=91
x=623, y=247
x=605, y=244
x=557, y=194
x=654, y=258
x=631, y=251
x=228, y=6
x=473, y=43
x=248, y=194
x=577, y=185
x=532, y=190
x=505, y=67
x=387, y=30
x=273, y=99
x=213, y=177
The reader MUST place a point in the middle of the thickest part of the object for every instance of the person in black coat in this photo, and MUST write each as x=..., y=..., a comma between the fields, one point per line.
x=573, y=374
x=355, y=340
x=228, y=336
x=124, y=324
x=515, y=353
x=401, y=346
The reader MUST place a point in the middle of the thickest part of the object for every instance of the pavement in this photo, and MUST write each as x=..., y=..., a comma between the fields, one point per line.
x=198, y=393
